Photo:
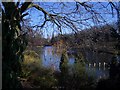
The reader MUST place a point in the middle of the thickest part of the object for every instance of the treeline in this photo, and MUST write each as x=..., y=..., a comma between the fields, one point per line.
x=36, y=39
x=94, y=38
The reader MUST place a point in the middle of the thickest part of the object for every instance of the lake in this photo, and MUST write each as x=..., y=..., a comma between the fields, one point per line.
x=96, y=64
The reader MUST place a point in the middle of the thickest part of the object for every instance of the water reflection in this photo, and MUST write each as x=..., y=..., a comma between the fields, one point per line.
x=94, y=68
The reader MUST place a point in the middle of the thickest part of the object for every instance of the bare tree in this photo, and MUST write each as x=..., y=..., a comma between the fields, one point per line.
x=73, y=16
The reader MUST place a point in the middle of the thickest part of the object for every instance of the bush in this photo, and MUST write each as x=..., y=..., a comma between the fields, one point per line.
x=31, y=63
x=33, y=71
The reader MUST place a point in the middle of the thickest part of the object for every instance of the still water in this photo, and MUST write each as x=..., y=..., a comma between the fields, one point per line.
x=96, y=68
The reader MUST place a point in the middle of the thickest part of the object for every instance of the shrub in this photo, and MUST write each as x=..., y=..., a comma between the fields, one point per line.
x=31, y=63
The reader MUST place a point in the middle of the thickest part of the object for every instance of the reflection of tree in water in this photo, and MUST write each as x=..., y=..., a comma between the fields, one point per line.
x=49, y=50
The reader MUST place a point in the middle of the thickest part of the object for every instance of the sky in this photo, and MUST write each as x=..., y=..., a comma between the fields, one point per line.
x=37, y=17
